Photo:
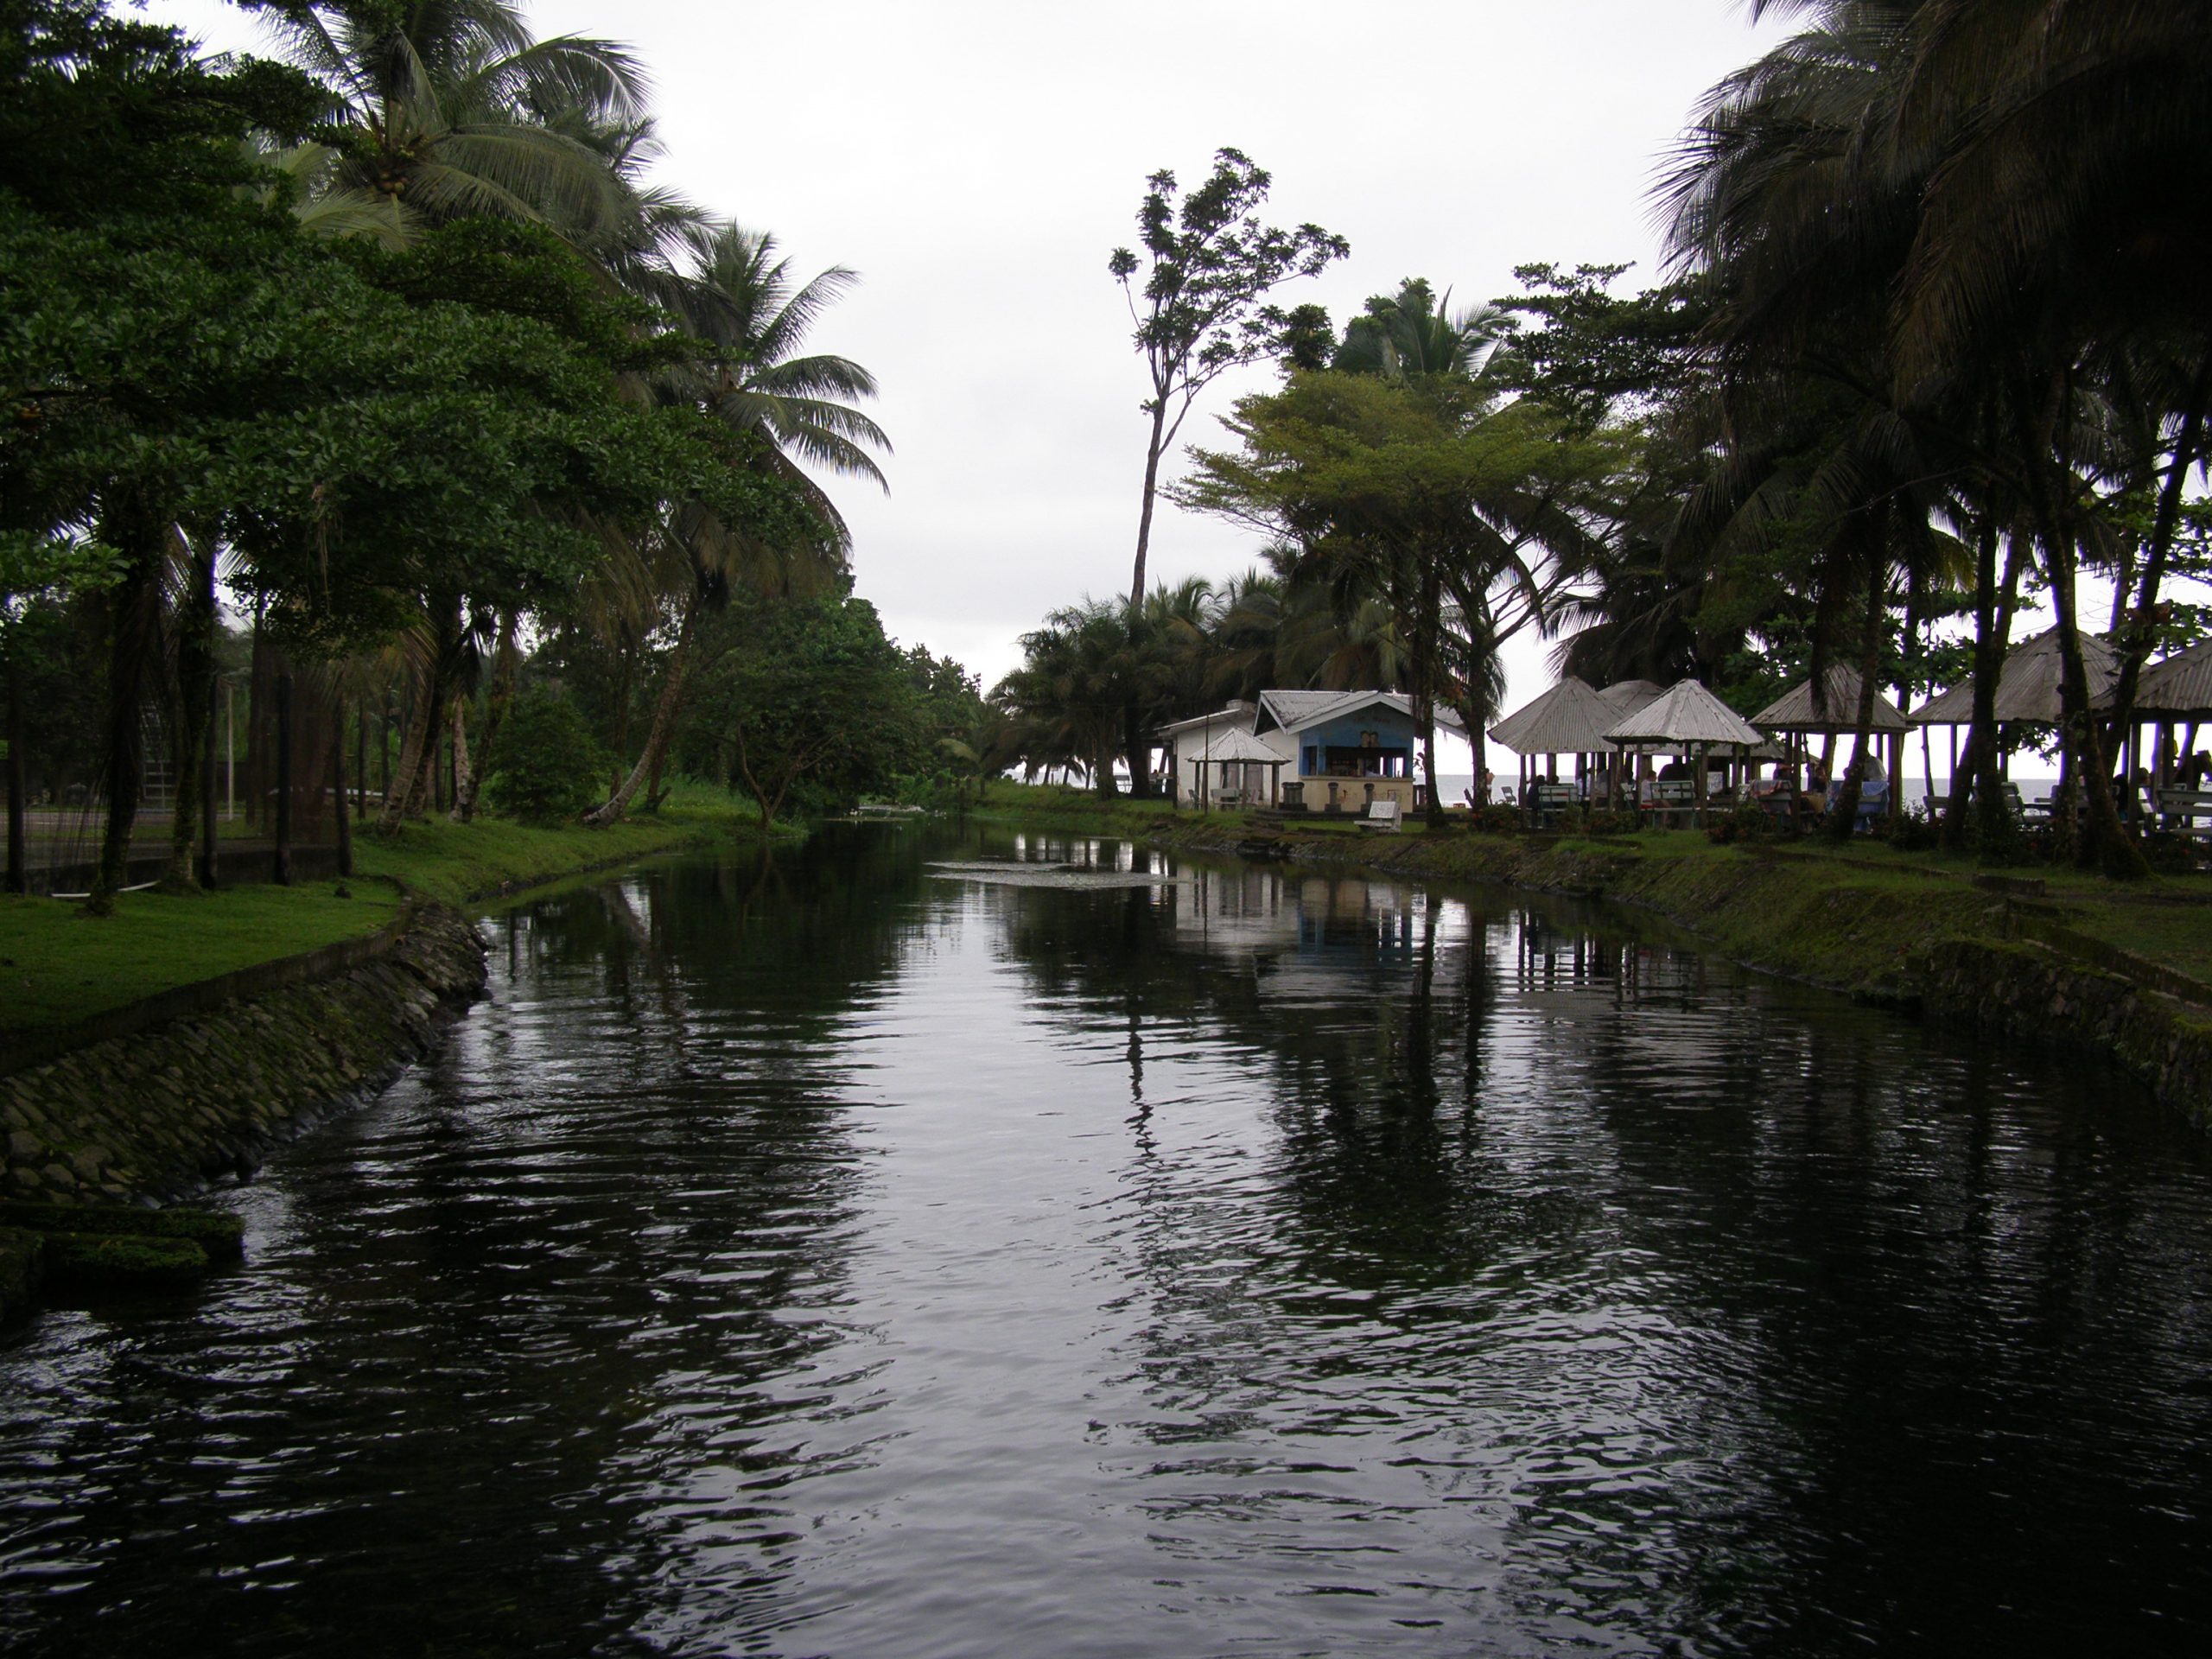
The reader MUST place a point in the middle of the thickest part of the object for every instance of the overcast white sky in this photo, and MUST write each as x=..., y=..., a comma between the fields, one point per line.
x=975, y=161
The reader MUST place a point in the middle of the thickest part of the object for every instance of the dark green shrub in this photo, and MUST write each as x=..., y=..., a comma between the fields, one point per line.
x=2170, y=854
x=106, y=1264
x=549, y=767
x=218, y=1233
x=1495, y=819
x=1626, y=821
x=1747, y=822
x=1914, y=831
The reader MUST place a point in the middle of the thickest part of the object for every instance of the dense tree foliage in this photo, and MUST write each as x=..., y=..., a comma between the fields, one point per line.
x=386, y=344
x=1935, y=346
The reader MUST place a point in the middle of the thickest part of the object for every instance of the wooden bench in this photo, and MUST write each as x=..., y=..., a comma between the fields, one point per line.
x=2188, y=811
x=1548, y=803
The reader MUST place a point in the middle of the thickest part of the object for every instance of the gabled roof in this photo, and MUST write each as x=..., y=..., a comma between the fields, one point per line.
x=1569, y=719
x=2027, y=689
x=1793, y=711
x=1239, y=713
x=1685, y=713
x=1294, y=711
x=2180, y=687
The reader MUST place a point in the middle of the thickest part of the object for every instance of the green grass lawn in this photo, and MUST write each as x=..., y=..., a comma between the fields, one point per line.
x=58, y=964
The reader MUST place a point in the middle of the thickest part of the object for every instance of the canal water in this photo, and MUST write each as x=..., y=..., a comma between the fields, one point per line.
x=847, y=1254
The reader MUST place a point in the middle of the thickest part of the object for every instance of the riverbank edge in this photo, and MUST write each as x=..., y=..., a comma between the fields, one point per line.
x=157, y=1099
x=1924, y=943
x=154, y=1114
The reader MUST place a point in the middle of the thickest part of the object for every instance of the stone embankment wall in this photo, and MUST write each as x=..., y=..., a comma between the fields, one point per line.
x=154, y=1113
x=2025, y=989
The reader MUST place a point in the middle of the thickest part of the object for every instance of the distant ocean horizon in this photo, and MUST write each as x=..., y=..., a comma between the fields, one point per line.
x=1456, y=785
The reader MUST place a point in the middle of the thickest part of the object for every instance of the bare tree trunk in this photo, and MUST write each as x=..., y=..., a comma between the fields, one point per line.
x=2136, y=639
x=134, y=613
x=19, y=879
x=495, y=716
x=338, y=788
x=1843, y=816
x=464, y=775
x=195, y=686
x=281, y=858
x=664, y=711
x=1158, y=442
x=414, y=739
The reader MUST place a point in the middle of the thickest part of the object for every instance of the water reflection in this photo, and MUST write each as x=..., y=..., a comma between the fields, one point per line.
x=813, y=1254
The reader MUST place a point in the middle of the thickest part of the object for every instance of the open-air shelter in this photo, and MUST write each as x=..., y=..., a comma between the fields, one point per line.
x=1689, y=720
x=2027, y=693
x=1570, y=718
x=2174, y=699
x=1798, y=714
x=1234, y=751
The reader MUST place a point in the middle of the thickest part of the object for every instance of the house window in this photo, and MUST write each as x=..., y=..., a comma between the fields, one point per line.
x=1312, y=761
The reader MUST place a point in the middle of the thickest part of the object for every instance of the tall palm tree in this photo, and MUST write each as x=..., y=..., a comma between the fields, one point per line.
x=454, y=109
x=1413, y=334
x=790, y=409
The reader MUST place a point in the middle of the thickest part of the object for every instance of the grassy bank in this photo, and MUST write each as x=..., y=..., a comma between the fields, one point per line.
x=1855, y=917
x=58, y=965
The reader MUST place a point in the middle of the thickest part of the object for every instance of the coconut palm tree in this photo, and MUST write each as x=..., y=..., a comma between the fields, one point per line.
x=453, y=110
x=790, y=410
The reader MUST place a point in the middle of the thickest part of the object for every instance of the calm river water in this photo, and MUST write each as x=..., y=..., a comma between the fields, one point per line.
x=847, y=1257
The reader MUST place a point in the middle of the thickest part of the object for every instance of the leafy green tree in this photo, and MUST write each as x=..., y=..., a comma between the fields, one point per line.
x=804, y=698
x=1427, y=495
x=548, y=766
x=1209, y=263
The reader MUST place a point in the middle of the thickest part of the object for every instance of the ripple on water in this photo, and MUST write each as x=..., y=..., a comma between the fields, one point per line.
x=827, y=1258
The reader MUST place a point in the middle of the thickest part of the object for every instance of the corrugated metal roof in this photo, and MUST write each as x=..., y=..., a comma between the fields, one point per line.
x=1295, y=710
x=2027, y=690
x=2180, y=687
x=1793, y=711
x=1685, y=713
x=1238, y=744
x=1626, y=697
x=1238, y=713
x=1569, y=719
x=1291, y=709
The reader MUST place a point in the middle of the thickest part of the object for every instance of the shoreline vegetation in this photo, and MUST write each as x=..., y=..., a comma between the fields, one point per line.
x=59, y=967
x=2124, y=968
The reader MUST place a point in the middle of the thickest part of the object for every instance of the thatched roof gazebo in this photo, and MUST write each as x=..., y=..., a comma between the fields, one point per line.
x=1239, y=748
x=2176, y=692
x=1568, y=719
x=2027, y=691
x=1687, y=719
x=1797, y=713
x=2027, y=686
x=1797, y=710
x=2179, y=688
